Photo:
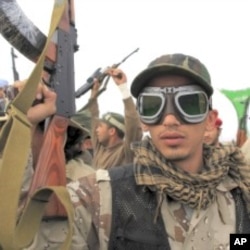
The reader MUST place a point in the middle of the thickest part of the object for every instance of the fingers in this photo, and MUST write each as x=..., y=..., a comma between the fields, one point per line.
x=118, y=75
x=19, y=84
x=43, y=92
x=44, y=106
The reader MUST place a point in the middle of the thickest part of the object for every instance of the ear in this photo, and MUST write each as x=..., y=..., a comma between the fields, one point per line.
x=112, y=131
x=212, y=116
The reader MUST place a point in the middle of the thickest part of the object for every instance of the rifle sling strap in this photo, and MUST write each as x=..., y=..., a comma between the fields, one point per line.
x=15, y=143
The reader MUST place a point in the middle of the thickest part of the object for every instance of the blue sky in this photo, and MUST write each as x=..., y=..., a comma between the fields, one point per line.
x=215, y=31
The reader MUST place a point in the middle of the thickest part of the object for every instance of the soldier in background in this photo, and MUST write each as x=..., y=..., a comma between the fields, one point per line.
x=113, y=133
x=83, y=117
x=78, y=159
x=3, y=100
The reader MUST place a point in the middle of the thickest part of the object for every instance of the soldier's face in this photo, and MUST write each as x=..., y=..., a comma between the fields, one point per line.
x=176, y=140
x=102, y=133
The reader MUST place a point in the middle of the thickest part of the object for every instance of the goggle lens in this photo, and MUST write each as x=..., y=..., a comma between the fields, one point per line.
x=193, y=104
x=151, y=105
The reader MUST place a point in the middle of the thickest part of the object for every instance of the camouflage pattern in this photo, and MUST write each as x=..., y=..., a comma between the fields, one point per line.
x=91, y=197
x=77, y=168
x=187, y=229
x=205, y=229
x=50, y=236
x=83, y=117
x=174, y=64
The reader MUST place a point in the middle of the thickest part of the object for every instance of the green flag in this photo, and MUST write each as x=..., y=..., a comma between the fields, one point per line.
x=240, y=100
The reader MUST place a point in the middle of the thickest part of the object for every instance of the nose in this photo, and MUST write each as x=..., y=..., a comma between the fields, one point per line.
x=170, y=116
x=170, y=119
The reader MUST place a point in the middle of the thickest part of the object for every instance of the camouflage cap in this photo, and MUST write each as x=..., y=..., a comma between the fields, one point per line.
x=80, y=120
x=178, y=64
x=77, y=125
x=115, y=120
x=83, y=117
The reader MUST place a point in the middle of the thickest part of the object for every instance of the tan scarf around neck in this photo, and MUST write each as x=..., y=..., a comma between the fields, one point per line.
x=195, y=190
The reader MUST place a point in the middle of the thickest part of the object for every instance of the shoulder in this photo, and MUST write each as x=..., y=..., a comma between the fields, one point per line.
x=85, y=188
x=92, y=201
x=97, y=185
x=76, y=168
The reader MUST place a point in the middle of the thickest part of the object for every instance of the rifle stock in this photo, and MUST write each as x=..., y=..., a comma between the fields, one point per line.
x=59, y=75
x=241, y=136
x=50, y=166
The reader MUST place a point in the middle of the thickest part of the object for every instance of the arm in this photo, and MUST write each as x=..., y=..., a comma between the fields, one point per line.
x=133, y=129
x=132, y=122
x=94, y=110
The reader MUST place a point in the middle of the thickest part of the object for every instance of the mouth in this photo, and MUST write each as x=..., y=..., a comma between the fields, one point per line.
x=171, y=139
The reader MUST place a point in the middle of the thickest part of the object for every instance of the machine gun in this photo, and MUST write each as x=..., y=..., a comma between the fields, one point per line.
x=99, y=74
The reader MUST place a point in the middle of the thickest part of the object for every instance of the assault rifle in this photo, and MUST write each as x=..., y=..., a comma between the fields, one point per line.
x=14, y=70
x=12, y=91
x=99, y=74
x=59, y=66
x=58, y=74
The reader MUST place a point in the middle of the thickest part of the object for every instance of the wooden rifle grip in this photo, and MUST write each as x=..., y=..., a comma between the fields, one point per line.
x=241, y=137
x=50, y=167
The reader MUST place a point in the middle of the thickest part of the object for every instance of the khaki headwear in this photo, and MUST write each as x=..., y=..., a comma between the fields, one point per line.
x=178, y=64
x=115, y=120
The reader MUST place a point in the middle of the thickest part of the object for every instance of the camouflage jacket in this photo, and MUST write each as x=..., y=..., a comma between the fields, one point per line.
x=186, y=228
